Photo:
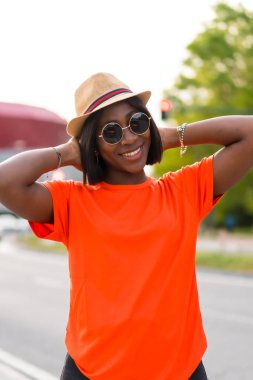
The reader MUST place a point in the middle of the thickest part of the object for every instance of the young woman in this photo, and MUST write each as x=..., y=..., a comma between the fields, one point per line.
x=134, y=309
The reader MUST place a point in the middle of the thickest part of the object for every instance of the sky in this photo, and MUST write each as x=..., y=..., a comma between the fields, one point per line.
x=49, y=47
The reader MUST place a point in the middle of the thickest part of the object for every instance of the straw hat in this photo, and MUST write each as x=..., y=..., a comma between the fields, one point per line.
x=99, y=91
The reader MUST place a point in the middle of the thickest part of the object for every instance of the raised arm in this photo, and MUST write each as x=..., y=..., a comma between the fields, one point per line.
x=234, y=133
x=19, y=190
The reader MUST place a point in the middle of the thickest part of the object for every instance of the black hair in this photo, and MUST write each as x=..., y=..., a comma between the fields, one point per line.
x=94, y=167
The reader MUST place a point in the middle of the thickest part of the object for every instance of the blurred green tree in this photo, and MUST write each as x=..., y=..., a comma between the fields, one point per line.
x=216, y=79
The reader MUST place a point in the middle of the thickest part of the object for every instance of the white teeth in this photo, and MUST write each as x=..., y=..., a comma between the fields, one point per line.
x=131, y=153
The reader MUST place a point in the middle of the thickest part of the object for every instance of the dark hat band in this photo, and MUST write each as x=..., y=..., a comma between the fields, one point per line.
x=105, y=97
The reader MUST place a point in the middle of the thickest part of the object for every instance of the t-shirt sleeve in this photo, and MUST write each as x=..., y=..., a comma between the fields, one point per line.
x=196, y=183
x=58, y=230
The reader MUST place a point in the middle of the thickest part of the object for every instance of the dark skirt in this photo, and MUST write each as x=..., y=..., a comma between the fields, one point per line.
x=71, y=372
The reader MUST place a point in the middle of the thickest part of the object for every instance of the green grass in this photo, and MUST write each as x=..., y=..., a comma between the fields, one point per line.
x=225, y=261
x=30, y=241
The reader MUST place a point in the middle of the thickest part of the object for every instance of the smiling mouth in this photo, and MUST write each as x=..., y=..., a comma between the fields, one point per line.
x=133, y=153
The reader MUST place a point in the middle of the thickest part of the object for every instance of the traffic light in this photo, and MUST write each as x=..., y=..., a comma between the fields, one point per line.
x=165, y=107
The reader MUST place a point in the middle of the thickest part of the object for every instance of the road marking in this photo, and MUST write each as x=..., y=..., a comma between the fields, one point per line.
x=10, y=373
x=226, y=280
x=23, y=368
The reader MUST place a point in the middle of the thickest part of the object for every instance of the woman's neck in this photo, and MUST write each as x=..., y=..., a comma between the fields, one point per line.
x=120, y=178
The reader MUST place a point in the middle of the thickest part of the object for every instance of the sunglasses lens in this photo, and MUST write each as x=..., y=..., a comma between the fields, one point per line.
x=139, y=123
x=112, y=133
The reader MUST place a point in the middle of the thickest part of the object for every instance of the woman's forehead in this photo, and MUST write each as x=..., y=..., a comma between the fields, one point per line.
x=116, y=111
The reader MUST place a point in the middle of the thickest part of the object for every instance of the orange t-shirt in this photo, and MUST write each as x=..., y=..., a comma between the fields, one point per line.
x=134, y=307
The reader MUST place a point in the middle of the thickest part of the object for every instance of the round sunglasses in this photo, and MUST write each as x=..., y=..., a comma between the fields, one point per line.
x=112, y=132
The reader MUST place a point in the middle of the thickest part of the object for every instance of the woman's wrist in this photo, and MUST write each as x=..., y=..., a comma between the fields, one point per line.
x=62, y=155
x=68, y=153
x=59, y=157
x=169, y=137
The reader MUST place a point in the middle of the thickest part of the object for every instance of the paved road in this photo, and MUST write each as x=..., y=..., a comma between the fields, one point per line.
x=227, y=310
x=34, y=292
x=34, y=307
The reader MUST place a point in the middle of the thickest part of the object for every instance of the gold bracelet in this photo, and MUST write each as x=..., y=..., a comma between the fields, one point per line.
x=58, y=157
x=180, y=131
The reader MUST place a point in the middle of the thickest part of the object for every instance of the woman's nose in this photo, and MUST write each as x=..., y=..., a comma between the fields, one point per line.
x=128, y=136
